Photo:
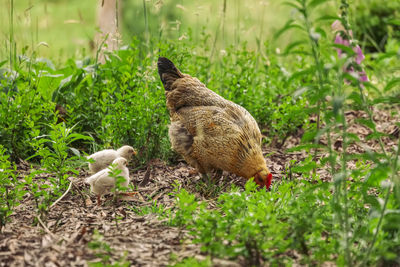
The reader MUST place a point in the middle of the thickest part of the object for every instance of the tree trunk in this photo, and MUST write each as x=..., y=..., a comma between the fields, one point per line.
x=108, y=38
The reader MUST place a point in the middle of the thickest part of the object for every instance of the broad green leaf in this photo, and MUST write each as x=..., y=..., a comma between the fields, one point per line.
x=328, y=18
x=348, y=50
x=289, y=25
x=352, y=137
x=375, y=135
x=315, y=3
x=2, y=63
x=75, y=151
x=321, y=32
x=388, y=100
x=350, y=77
x=293, y=45
x=368, y=123
x=395, y=82
x=386, y=55
x=394, y=21
x=305, y=168
x=305, y=147
x=309, y=135
x=302, y=73
x=371, y=86
x=292, y=4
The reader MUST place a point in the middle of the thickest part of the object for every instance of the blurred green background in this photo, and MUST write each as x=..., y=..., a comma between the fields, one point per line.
x=66, y=28
x=62, y=29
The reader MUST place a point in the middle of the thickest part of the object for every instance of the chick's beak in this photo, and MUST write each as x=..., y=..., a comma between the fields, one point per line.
x=263, y=178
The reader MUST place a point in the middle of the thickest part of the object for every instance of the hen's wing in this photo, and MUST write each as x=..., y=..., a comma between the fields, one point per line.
x=215, y=137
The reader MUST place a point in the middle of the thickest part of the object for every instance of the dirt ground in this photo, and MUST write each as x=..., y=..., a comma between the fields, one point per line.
x=63, y=238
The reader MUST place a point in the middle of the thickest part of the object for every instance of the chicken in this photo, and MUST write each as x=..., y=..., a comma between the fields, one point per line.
x=210, y=132
x=104, y=158
x=101, y=183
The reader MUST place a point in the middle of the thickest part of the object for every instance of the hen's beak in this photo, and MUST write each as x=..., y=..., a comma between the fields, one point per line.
x=263, y=178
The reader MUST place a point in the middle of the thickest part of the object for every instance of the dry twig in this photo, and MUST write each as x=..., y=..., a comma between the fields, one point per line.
x=45, y=228
x=59, y=199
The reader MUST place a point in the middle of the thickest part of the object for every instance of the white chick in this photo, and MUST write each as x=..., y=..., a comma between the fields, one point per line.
x=104, y=158
x=101, y=183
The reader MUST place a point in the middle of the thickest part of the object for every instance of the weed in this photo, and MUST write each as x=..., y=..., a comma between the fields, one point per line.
x=186, y=206
x=103, y=251
x=12, y=189
x=193, y=262
x=159, y=209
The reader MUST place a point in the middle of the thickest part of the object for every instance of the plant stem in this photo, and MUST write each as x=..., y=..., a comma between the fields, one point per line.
x=344, y=181
x=314, y=50
x=223, y=23
x=237, y=29
x=146, y=22
x=11, y=33
x=394, y=172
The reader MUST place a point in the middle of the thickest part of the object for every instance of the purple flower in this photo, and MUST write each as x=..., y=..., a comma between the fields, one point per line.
x=359, y=56
x=363, y=76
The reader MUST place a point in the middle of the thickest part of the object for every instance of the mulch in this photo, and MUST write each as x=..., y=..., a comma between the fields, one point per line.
x=75, y=223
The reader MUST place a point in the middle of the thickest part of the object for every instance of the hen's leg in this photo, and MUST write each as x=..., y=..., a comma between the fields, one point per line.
x=98, y=200
x=218, y=175
x=212, y=178
x=205, y=177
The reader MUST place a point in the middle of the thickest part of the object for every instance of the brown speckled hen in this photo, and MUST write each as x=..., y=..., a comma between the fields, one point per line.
x=210, y=132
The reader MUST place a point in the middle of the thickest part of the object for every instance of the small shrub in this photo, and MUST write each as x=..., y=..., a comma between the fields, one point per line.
x=54, y=151
x=186, y=206
x=288, y=117
x=55, y=156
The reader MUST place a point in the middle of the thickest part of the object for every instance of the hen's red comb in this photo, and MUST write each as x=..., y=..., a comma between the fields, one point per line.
x=269, y=180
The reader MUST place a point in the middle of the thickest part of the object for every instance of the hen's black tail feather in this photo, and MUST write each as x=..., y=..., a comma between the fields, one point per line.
x=168, y=72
